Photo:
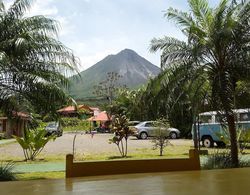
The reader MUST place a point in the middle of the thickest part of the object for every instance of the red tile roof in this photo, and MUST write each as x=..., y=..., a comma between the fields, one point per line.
x=103, y=116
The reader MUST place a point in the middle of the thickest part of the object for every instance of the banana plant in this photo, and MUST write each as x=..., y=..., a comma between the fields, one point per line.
x=33, y=142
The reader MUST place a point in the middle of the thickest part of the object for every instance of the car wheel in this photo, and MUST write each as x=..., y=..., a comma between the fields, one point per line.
x=208, y=142
x=173, y=135
x=143, y=135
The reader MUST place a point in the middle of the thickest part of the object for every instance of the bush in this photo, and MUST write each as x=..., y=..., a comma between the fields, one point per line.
x=6, y=173
x=72, y=122
x=218, y=160
x=160, y=141
x=222, y=160
x=2, y=136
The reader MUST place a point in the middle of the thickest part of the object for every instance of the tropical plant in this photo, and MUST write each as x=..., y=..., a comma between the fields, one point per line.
x=217, y=48
x=160, y=140
x=244, y=140
x=218, y=160
x=121, y=134
x=33, y=63
x=130, y=103
x=6, y=172
x=33, y=142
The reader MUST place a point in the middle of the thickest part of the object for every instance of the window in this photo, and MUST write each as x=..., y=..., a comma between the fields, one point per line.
x=244, y=116
x=220, y=118
x=205, y=119
x=148, y=125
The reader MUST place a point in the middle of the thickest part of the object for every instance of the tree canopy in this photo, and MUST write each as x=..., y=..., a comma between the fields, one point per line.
x=34, y=64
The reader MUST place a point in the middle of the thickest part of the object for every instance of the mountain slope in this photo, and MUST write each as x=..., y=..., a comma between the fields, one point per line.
x=135, y=70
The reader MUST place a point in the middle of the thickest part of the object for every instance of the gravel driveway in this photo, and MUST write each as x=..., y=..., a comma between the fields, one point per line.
x=84, y=144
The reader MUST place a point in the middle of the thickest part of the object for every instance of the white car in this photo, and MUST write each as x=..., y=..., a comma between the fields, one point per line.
x=151, y=129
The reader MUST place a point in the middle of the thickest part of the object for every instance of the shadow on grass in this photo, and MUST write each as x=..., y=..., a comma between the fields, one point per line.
x=119, y=157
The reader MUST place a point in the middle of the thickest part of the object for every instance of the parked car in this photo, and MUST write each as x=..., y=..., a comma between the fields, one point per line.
x=54, y=128
x=151, y=129
x=132, y=124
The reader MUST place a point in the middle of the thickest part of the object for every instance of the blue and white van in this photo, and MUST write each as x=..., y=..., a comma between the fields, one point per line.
x=210, y=129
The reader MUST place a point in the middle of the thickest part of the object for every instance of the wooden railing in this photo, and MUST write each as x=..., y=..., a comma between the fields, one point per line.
x=81, y=169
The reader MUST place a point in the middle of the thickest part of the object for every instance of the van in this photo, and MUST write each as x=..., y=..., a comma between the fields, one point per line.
x=212, y=127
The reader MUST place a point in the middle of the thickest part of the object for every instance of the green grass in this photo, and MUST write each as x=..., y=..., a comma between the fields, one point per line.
x=40, y=175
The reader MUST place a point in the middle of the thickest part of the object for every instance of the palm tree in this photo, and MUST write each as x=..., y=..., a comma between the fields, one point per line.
x=33, y=63
x=217, y=46
x=176, y=95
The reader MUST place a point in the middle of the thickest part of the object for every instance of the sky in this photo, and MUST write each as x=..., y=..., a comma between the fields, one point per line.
x=94, y=29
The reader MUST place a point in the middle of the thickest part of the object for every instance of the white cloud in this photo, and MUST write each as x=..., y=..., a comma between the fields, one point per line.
x=43, y=7
x=66, y=26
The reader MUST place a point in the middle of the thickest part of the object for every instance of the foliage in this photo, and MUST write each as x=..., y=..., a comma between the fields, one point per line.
x=33, y=63
x=70, y=121
x=244, y=140
x=6, y=172
x=33, y=142
x=215, y=52
x=222, y=160
x=73, y=123
x=50, y=117
x=218, y=160
x=129, y=102
x=121, y=134
x=2, y=136
x=160, y=140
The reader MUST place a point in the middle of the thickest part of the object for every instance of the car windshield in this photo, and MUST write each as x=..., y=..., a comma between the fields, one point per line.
x=151, y=124
x=133, y=123
x=52, y=124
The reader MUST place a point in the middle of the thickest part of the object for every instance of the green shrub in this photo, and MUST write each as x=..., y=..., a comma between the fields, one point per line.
x=222, y=160
x=73, y=124
x=218, y=160
x=70, y=121
x=2, y=136
x=160, y=141
x=6, y=172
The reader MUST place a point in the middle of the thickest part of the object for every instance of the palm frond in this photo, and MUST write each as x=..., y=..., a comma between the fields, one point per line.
x=19, y=7
x=183, y=19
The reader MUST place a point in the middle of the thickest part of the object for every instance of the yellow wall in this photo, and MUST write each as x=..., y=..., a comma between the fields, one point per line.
x=80, y=169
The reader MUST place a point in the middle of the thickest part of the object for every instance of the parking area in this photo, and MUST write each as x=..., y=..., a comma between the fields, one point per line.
x=86, y=144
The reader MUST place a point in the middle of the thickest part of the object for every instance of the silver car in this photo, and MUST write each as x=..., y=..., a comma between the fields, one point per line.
x=54, y=128
x=151, y=129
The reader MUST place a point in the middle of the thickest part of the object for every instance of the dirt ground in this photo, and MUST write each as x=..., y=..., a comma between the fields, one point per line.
x=85, y=144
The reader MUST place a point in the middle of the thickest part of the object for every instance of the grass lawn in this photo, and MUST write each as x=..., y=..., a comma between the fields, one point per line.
x=40, y=175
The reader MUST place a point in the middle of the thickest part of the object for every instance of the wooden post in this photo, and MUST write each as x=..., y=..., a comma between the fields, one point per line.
x=69, y=165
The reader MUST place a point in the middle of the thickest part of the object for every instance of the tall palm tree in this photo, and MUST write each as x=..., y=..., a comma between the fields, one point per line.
x=175, y=94
x=33, y=63
x=217, y=46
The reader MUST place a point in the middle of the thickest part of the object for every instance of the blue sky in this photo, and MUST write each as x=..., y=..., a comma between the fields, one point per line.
x=94, y=29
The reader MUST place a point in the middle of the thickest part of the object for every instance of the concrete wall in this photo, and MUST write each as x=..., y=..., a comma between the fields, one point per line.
x=81, y=169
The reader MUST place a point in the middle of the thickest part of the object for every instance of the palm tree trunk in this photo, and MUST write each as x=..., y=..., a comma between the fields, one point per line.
x=233, y=139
